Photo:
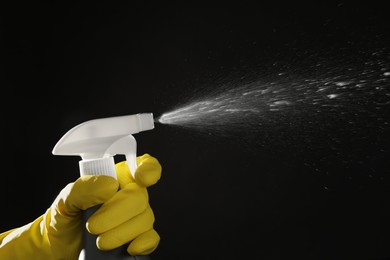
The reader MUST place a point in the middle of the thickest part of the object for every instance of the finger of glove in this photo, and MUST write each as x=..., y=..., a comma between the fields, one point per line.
x=123, y=206
x=127, y=231
x=63, y=221
x=85, y=192
x=144, y=244
x=123, y=174
x=148, y=171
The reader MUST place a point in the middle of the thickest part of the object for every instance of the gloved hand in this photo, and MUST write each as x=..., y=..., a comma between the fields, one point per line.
x=124, y=216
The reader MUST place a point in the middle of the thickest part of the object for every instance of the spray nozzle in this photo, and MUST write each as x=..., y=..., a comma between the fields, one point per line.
x=98, y=140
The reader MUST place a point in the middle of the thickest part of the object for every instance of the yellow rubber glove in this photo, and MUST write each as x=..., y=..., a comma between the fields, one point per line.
x=124, y=216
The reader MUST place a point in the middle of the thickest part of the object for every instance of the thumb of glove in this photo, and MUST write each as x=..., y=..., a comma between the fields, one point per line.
x=65, y=215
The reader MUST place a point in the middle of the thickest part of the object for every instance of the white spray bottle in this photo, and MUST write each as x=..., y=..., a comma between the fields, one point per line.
x=97, y=142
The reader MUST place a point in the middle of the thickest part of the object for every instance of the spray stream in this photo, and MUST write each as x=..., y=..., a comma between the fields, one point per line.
x=337, y=108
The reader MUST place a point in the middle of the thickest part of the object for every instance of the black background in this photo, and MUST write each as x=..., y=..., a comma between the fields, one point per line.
x=218, y=198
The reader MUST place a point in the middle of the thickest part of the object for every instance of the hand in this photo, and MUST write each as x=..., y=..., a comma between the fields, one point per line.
x=124, y=216
x=127, y=216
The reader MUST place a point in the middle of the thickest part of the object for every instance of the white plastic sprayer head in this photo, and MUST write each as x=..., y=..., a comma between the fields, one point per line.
x=105, y=137
x=95, y=136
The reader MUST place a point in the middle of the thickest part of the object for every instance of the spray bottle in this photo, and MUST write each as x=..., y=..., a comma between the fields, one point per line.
x=97, y=142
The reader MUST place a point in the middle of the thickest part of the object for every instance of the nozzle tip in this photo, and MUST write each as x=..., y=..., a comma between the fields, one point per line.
x=146, y=121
